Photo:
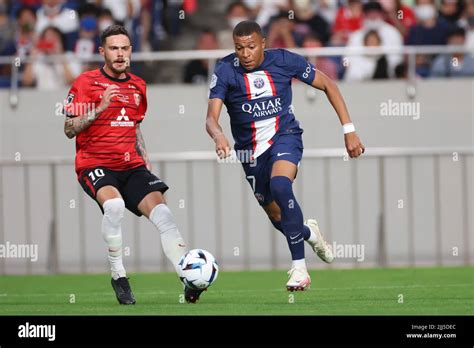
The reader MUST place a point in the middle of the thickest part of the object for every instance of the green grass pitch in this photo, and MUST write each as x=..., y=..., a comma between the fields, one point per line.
x=404, y=291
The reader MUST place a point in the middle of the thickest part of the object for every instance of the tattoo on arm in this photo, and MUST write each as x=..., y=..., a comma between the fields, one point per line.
x=140, y=146
x=73, y=126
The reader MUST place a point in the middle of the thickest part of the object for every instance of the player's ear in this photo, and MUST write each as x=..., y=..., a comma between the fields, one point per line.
x=101, y=51
x=263, y=42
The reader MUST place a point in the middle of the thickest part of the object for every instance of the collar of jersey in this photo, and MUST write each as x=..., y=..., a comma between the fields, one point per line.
x=113, y=78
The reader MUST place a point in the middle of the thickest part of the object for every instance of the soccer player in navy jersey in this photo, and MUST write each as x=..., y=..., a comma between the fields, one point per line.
x=104, y=110
x=255, y=86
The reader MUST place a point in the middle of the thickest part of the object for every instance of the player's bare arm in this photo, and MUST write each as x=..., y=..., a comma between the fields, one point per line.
x=354, y=146
x=74, y=125
x=141, y=149
x=214, y=129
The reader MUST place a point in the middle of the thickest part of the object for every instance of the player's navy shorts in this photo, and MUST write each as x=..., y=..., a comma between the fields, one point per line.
x=288, y=147
x=133, y=184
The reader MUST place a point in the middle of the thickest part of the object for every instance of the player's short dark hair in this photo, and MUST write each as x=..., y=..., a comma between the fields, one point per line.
x=247, y=28
x=114, y=29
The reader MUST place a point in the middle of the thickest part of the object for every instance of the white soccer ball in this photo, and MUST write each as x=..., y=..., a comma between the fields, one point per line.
x=198, y=269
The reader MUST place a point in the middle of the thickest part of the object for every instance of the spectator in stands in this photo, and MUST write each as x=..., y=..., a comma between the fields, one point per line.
x=122, y=10
x=197, y=71
x=281, y=32
x=451, y=10
x=6, y=29
x=401, y=71
x=467, y=22
x=399, y=15
x=368, y=67
x=55, y=13
x=48, y=75
x=389, y=36
x=308, y=21
x=105, y=20
x=325, y=64
x=328, y=9
x=24, y=32
x=236, y=12
x=86, y=44
x=430, y=29
x=457, y=64
x=264, y=10
x=349, y=18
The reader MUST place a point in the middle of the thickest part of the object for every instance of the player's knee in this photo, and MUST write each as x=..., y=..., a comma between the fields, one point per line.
x=274, y=216
x=162, y=218
x=280, y=187
x=114, y=210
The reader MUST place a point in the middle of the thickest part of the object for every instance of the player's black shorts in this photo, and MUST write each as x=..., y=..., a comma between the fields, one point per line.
x=133, y=184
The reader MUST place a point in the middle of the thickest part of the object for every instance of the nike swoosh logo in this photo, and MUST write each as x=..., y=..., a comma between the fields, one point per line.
x=95, y=182
x=295, y=236
x=283, y=153
x=259, y=94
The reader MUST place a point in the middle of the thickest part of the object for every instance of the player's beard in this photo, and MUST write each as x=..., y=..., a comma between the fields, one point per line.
x=110, y=65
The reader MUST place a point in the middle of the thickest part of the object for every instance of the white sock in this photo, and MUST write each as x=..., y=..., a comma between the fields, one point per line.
x=312, y=237
x=299, y=264
x=171, y=240
x=114, y=210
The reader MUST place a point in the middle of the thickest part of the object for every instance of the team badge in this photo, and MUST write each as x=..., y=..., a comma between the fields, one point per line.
x=259, y=197
x=213, y=81
x=258, y=83
x=136, y=96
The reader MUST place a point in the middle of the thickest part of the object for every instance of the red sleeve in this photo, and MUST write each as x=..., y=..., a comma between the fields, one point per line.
x=143, y=104
x=75, y=100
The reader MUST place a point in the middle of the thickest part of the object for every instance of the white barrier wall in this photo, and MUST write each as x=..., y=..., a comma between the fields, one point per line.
x=213, y=203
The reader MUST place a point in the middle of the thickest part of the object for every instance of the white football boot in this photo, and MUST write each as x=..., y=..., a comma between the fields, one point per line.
x=321, y=247
x=299, y=279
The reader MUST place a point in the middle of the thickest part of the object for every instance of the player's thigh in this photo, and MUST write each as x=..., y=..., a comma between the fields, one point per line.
x=140, y=182
x=150, y=201
x=285, y=155
x=284, y=168
x=100, y=184
x=107, y=192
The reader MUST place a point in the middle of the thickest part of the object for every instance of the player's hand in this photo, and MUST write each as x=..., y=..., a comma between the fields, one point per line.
x=110, y=92
x=353, y=145
x=222, y=146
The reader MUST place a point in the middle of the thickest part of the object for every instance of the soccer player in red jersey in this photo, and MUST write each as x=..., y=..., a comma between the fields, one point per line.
x=104, y=109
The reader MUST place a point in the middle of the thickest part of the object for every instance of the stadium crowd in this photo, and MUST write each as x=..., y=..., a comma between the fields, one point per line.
x=38, y=28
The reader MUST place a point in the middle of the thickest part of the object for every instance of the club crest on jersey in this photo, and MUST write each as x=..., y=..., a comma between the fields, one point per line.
x=122, y=120
x=259, y=83
x=136, y=96
x=259, y=197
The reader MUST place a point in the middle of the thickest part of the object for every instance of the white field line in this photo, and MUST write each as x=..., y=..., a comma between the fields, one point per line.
x=243, y=290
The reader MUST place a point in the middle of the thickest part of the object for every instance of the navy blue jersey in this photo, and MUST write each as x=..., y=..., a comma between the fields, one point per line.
x=259, y=101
